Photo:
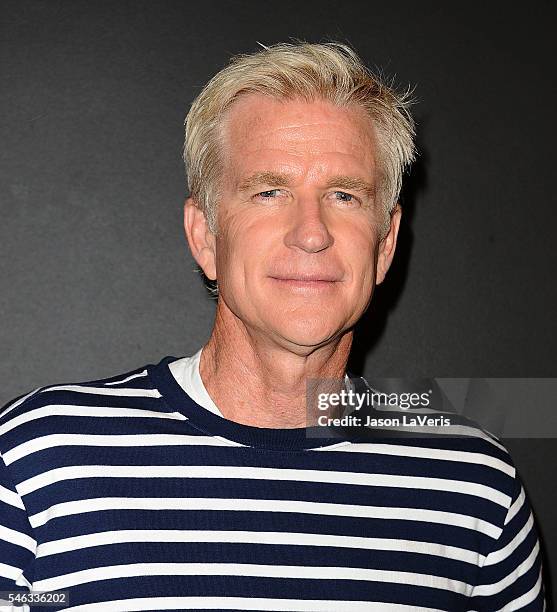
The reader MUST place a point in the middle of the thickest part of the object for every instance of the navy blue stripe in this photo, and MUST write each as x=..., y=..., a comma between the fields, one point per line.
x=279, y=588
x=300, y=555
x=287, y=522
x=231, y=488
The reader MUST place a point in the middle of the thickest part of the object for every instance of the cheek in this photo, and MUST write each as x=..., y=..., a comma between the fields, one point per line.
x=236, y=255
x=226, y=256
x=359, y=251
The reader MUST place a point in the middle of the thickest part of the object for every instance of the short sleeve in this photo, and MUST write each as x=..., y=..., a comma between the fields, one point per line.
x=17, y=544
x=511, y=576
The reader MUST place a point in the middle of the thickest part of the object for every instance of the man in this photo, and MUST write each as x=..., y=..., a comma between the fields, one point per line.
x=193, y=484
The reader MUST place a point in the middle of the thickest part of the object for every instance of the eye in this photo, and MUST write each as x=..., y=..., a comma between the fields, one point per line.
x=267, y=195
x=342, y=196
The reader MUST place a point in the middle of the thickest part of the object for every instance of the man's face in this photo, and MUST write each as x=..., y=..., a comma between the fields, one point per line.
x=298, y=244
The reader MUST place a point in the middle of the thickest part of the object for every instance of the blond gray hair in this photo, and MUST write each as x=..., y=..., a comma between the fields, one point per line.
x=328, y=71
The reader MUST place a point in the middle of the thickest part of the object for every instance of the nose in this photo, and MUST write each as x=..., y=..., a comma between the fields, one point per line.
x=308, y=230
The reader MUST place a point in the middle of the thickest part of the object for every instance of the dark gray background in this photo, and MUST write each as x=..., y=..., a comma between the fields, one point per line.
x=96, y=278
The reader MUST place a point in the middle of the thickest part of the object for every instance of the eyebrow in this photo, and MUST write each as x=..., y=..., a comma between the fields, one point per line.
x=274, y=179
x=351, y=182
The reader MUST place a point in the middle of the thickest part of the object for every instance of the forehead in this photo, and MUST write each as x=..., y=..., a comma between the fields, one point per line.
x=296, y=136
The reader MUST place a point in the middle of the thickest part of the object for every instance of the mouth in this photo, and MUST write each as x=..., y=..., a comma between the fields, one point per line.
x=307, y=282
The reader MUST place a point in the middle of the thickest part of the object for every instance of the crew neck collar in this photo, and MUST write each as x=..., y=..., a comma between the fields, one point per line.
x=289, y=439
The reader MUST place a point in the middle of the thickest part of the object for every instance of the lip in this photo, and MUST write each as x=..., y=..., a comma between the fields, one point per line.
x=306, y=283
x=308, y=278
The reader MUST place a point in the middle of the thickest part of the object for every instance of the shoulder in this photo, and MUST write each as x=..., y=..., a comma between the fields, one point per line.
x=47, y=410
x=475, y=447
x=473, y=466
x=437, y=440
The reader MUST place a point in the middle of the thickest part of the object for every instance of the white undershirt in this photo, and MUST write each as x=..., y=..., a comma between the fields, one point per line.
x=186, y=373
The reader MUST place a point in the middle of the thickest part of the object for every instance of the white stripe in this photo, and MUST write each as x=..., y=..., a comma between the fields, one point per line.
x=22, y=581
x=443, y=430
x=85, y=411
x=263, y=505
x=9, y=571
x=527, y=598
x=334, y=446
x=401, y=450
x=16, y=537
x=249, y=569
x=126, y=392
x=18, y=402
x=499, y=555
x=516, y=506
x=227, y=441
x=497, y=587
x=128, y=378
x=11, y=498
x=259, y=604
x=256, y=537
x=52, y=440
x=56, y=440
x=260, y=473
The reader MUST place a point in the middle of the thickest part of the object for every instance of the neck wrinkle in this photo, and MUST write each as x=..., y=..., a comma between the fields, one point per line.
x=264, y=384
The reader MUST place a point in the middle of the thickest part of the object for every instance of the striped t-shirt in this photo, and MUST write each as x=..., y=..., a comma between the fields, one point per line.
x=130, y=496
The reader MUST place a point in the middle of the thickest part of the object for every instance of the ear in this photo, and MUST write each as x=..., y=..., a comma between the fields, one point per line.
x=387, y=246
x=201, y=241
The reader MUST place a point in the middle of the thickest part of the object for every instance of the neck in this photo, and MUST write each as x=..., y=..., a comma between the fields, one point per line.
x=259, y=380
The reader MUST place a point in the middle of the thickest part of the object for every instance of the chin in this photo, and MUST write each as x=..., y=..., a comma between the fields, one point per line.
x=307, y=332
